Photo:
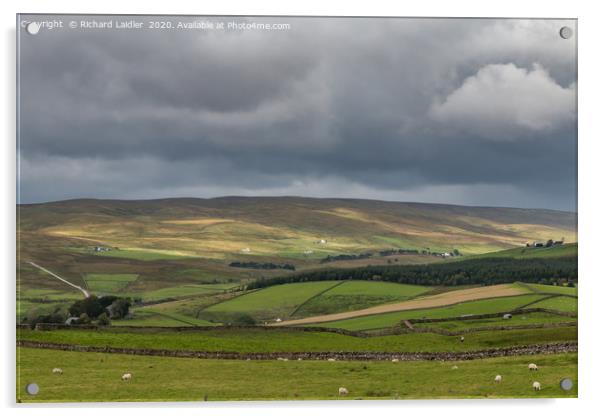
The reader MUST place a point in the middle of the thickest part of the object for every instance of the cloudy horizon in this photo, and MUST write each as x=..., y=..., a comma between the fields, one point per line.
x=456, y=111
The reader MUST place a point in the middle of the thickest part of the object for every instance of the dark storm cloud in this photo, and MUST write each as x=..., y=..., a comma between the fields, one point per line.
x=462, y=111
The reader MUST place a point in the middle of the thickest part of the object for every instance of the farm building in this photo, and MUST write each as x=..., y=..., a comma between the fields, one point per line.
x=71, y=320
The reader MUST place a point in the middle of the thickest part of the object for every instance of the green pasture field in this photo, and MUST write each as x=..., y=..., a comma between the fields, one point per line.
x=272, y=302
x=25, y=308
x=353, y=295
x=556, y=290
x=49, y=294
x=96, y=377
x=282, y=340
x=493, y=305
x=149, y=320
x=189, y=306
x=522, y=319
x=28, y=300
x=108, y=283
x=559, y=303
x=160, y=319
x=183, y=291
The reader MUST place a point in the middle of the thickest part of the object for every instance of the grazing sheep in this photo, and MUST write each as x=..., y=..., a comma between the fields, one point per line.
x=395, y=360
x=57, y=371
x=536, y=385
x=299, y=359
x=126, y=377
x=498, y=379
x=343, y=391
x=533, y=367
x=462, y=338
x=331, y=359
x=455, y=367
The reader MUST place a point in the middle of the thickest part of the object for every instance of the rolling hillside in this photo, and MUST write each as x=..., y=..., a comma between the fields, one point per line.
x=168, y=246
x=289, y=227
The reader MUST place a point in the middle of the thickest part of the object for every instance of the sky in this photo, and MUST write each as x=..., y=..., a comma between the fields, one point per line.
x=460, y=111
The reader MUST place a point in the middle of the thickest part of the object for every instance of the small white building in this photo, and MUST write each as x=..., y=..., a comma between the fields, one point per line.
x=71, y=320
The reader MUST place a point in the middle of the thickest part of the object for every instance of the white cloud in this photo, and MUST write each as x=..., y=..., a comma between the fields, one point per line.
x=503, y=101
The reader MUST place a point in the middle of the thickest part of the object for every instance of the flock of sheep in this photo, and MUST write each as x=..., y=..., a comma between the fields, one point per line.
x=124, y=377
x=343, y=391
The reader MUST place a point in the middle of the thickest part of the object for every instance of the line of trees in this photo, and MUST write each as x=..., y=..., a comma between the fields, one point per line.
x=93, y=309
x=476, y=271
x=262, y=266
x=328, y=259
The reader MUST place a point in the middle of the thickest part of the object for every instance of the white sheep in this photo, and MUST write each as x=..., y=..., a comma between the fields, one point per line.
x=395, y=360
x=455, y=367
x=126, y=377
x=343, y=391
x=331, y=359
x=536, y=385
x=498, y=379
x=533, y=367
x=462, y=338
x=57, y=371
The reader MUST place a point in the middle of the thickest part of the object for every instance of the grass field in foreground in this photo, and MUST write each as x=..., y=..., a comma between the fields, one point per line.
x=353, y=295
x=261, y=340
x=96, y=377
x=384, y=320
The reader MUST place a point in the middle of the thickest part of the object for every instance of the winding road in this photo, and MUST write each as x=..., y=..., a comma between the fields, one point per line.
x=81, y=289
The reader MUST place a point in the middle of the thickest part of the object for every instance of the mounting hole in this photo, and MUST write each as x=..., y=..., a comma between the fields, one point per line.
x=566, y=32
x=32, y=388
x=32, y=28
x=566, y=384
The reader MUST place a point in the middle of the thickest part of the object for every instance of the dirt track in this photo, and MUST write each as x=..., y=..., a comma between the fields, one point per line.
x=442, y=299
